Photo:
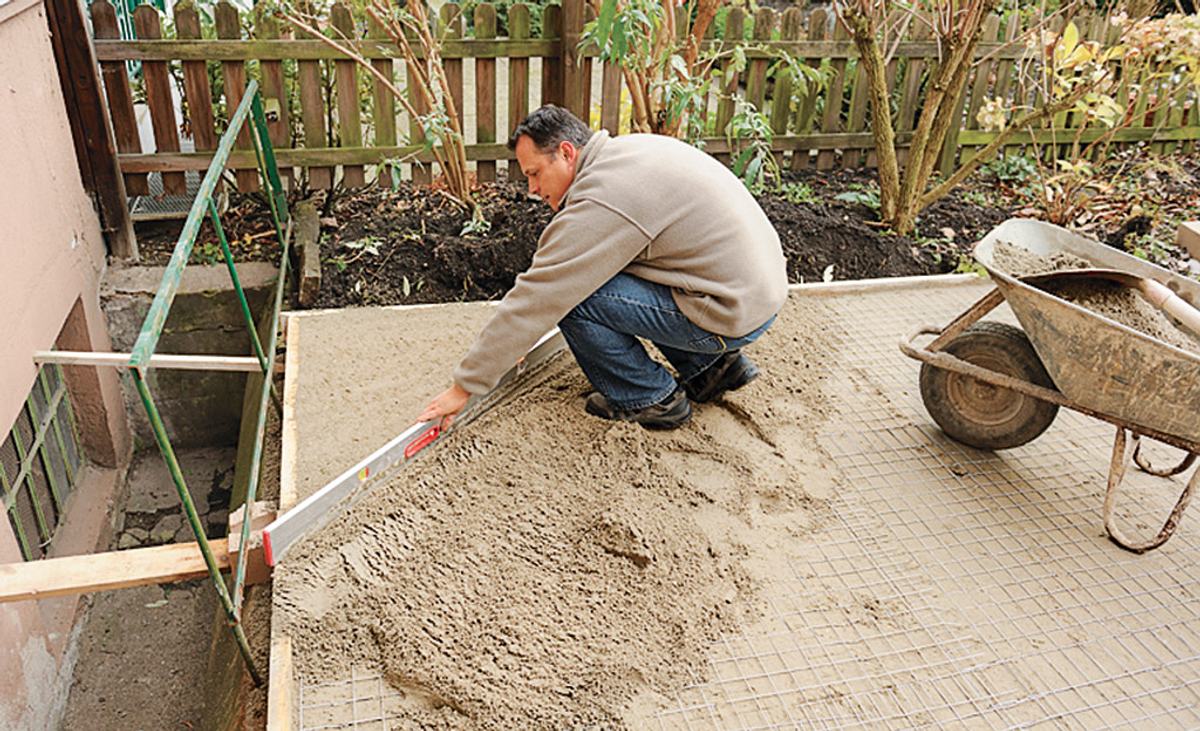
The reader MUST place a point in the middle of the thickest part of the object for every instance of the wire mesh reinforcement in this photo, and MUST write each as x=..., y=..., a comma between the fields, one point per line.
x=952, y=587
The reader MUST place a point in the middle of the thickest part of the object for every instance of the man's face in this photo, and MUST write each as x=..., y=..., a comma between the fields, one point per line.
x=549, y=175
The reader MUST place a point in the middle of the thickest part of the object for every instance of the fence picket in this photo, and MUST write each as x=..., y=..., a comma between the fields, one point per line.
x=274, y=86
x=790, y=27
x=485, y=91
x=346, y=85
x=119, y=95
x=984, y=74
x=818, y=25
x=158, y=96
x=383, y=102
x=831, y=120
x=734, y=28
x=756, y=76
x=518, y=81
x=229, y=28
x=552, y=74
x=196, y=92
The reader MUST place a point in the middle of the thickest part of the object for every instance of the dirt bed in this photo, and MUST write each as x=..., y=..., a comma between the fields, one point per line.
x=544, y=569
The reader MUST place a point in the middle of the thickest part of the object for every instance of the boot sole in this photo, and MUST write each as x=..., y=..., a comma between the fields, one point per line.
x=742, y=377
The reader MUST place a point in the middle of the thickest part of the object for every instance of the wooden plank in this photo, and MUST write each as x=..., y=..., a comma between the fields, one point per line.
x=248, y=364
x=485, y=91
x=1004, y=69
x=717, y=145
x=312, y=115
x=756, y=73
x=196, y=90
x=610, y=98
x=572, y=64
x=158, y=97
x=383, y=102
x=589, y=15
x=311, y=50
x=282, y=708
x=791, y=26
x=288, y=464
x=915, y=71
x=421, y=174
x=552, y=70
x=979, y=90
x=889, y=76
x=818, y=29
x=274, y=85
x=831, y=120
x=346, y=81
x=519, y=28
x=95, y=148
x=856, y=118
x=735, y=26
x=33, y=580
x=452, y=22
x=119, y=95
x=229, y=27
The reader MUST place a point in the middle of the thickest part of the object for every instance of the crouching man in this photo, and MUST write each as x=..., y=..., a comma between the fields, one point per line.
x=652, y=239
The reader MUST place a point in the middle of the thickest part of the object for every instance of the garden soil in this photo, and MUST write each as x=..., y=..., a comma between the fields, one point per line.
x=546, y=569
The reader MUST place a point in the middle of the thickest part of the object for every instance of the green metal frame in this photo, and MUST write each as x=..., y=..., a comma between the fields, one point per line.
x=250, y=109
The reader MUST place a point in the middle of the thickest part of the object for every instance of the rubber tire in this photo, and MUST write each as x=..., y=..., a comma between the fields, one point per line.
x=979, y=414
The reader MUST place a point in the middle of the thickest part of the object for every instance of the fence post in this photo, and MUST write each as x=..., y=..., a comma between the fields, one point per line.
x=229, y=27
x=552, y=67
x=572, y=62
x=119, y=94
x=518, y=81
x=158, y=96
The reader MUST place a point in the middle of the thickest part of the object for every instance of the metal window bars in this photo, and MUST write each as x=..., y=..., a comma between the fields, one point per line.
x=45, y=467
x=143, y=358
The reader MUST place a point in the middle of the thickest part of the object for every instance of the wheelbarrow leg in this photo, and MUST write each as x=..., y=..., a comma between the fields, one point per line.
x=1145, y=466
x=1122, y=454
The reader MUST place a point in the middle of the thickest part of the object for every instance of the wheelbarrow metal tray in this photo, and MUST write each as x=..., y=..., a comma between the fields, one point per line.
x=1094, y=361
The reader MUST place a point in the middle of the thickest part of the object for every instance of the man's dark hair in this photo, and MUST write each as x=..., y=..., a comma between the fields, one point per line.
x=549, y=126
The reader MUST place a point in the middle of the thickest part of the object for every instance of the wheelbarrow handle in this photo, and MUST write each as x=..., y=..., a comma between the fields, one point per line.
x=1172, y=304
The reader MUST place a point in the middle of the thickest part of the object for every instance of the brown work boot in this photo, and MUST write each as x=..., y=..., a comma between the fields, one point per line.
x=731, y=371
x=671, y=413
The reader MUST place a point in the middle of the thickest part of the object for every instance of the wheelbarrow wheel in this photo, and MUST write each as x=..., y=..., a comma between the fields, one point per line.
x=979, y=414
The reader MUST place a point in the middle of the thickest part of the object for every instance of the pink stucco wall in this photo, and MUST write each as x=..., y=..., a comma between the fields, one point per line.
x=52, y=256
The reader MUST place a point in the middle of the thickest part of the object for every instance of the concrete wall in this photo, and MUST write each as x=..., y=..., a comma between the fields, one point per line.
x=53, y=257
x=199, y=408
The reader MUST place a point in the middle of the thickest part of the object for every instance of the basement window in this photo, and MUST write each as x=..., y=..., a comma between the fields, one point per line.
x=40, y=462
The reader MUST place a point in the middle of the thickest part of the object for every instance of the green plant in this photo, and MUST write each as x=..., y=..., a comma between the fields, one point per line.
x=207, y=252
x=366, y=246
x=798, y=193
x=863, y=195
x=968, y=265
x=1012, y=168
x=750, y=137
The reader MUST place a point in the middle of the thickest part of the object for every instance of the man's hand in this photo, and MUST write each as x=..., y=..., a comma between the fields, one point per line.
x=445, y=405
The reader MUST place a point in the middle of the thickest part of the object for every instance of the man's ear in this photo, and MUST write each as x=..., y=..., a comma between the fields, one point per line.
x=568, y=150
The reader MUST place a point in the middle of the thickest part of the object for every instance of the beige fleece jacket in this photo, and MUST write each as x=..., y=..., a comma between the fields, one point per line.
x=656, y=208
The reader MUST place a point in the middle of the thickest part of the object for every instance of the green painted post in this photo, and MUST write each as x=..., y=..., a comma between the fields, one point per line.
x=189, y=507
x=256, y=455
x=157, y=316
x=237, y=284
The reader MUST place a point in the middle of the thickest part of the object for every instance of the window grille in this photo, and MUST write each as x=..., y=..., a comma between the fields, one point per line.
x=40, y=462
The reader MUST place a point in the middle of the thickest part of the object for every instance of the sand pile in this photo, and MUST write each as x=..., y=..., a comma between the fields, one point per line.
x=543, y=569
x=1110, y=299
x=1020, y=262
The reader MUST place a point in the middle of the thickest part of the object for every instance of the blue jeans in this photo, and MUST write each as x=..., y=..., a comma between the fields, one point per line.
x=603, y=331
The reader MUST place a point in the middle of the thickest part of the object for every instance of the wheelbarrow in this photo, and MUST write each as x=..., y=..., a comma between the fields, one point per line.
x=994, y=386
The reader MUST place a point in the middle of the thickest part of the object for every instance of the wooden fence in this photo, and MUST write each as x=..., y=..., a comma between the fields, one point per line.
x=348, y=120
